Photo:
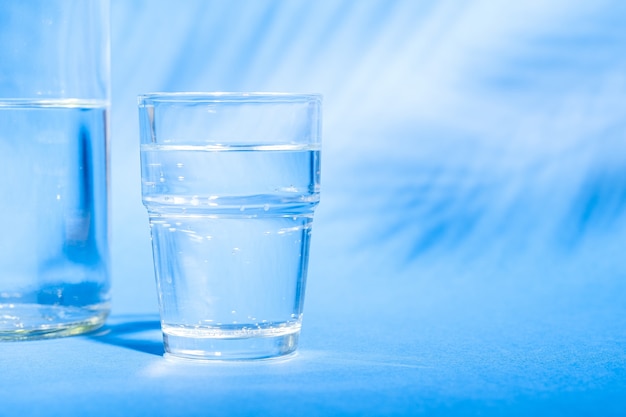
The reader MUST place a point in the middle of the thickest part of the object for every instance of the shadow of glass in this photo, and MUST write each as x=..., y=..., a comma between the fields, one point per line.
x=140, y=335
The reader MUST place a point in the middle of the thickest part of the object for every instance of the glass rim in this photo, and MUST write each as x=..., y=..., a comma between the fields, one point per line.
x=225, y=96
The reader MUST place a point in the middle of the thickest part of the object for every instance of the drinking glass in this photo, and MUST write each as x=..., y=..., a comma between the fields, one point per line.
x=230, y=182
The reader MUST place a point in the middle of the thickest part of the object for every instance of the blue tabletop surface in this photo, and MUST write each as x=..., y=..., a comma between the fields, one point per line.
x=467, y=255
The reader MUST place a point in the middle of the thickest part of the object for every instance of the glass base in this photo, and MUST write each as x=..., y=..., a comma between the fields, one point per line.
x=204, y=348
x=36, y=321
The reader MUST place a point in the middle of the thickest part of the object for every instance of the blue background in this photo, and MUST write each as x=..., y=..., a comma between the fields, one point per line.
x=467, y=256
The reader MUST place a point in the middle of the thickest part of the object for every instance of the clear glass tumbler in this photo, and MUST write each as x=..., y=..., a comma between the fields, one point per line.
x=54, y=101
x=230, y=182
